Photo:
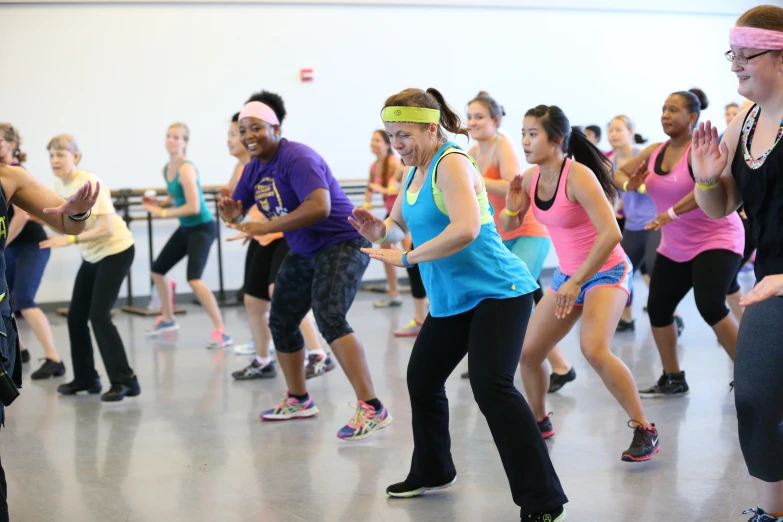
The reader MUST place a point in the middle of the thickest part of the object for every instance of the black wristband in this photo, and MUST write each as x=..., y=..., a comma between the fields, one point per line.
x=78, y=218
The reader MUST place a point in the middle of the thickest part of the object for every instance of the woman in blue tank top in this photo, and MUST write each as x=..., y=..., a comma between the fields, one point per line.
x=480, y=302
x=194, y=237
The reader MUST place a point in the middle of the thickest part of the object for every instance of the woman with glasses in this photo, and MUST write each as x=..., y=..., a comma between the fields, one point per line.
x=745, y=169
x=695, y=251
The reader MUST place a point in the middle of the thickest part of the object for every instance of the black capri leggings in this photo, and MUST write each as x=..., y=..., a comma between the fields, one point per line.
x=194, y=242
x=261, y=266
x=709, y=274
x=491, y=335
x=327, y=282
x=759, y=389
x=641, y=246
x=417, y=285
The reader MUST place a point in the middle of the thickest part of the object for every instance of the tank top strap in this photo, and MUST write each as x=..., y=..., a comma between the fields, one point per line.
x=562, y=183
x=494, y=148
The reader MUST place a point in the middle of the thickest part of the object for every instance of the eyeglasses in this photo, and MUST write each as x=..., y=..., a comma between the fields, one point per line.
x=742, y=60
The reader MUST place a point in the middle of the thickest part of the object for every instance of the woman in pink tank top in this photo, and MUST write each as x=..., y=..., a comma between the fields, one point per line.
x=381, y=181
x=573, y=200
x=695, y=251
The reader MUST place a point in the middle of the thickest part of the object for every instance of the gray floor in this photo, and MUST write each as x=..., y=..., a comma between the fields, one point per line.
x=192, y=448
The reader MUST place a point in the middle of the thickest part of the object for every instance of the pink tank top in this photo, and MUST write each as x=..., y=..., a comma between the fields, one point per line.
x=694, y=232
x=388, y=201
x=570, y=228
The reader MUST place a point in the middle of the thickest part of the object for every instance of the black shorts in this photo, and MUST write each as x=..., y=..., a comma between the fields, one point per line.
x=261, y=267
x=194, y=242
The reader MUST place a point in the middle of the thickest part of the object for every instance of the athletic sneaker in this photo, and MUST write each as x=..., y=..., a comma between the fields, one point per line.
x=248, y=348
x=669, y=385
x=644, y=445
x=162, y=326
x=550, y=515
x=219, y=339
x=365, y=422
x=256, y=370
x=626, y=326
x=317, y=364
x=391, y=302
x=546, y=428
x=407, y=489
x=557, y=381
x=680, y=325
x=411, y=329
x=290, y=408
x=760, y=516
x=25, y=356
x=48, y=369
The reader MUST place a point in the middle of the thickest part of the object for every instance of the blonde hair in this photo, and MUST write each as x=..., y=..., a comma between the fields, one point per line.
x=185, y=133
x=9, y=133
x=65, y=142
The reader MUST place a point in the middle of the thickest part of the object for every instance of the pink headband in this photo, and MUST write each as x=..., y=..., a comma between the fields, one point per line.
x=753, y=38
x=261, y=111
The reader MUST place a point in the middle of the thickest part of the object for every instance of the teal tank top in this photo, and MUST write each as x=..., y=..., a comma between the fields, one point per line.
x=485, y=269
x=176, y=191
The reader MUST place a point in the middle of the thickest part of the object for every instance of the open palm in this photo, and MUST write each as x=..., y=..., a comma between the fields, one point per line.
x=709, y=157
x=368, y=225
x=516, y=197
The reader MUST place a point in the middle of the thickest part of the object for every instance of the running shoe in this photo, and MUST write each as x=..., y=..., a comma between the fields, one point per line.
x=391, y=302
x=645, y=443
x=680, y=325
x=219, y=339
x=162, y=326
x=318, y=364
x=557, y=381
x=365, y=422
x=411, y=329
x=290, y=408
x=550, y=515
x=256, y=370
x=760, y=516
x=248, y=348
x=626, y=326
x=546, y=428
x=25, y=356
x=408, y=489
x=669, y=385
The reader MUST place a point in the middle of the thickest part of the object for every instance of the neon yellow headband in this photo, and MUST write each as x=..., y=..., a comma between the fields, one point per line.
x=410, y=115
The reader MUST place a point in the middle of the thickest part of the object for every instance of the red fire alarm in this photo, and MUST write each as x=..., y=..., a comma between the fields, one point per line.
x=306, y=75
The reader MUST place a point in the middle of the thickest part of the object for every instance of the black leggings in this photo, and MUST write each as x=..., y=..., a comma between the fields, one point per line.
x=417, y=285
x=709, y=274
x=759, y=389
x=641, y=247
x=193, y=242
x=746, y=255
x=261, y=267
x=491, y=334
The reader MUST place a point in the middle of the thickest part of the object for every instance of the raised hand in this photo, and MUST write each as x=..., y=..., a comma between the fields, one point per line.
x=368, y=225
x=709, y=157
x=516, y=197
x=241, y=236
x=82, y=201
x=637, y=178
x=230, y=209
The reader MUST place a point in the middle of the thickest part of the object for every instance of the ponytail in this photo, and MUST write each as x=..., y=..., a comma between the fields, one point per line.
x=430, y=99
x=449, y=119
x=639, y=139
x=582, y=150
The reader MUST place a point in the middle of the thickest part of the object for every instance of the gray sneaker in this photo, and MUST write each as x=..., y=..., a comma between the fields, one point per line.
x=388, y=303
x=162, y=326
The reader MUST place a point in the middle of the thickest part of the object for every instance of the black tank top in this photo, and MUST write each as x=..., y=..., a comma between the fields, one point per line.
x=762, y=194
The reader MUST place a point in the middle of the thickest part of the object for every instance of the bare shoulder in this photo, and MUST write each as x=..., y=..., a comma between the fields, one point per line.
x=527, y=177
x=10, y=179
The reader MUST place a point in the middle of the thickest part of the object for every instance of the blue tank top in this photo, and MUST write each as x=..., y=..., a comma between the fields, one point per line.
x=485, y=269
x=175, y=189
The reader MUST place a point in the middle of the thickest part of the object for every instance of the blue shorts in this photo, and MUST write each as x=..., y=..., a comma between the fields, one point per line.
x=532, y=251
x=24, y=268
x=619, y=276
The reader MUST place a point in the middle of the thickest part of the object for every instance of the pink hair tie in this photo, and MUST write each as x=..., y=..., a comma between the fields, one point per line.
x=261, y=111
x=753, y=38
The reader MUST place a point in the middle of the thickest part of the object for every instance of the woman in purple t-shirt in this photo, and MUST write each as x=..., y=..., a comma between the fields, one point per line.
x=294, y=188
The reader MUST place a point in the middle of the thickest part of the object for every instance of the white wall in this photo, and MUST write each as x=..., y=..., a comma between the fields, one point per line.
x=115, y=75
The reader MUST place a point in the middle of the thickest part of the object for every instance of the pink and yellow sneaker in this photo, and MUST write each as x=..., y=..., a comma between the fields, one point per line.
x=219, y=339
x=365, y=422
x=290, y=408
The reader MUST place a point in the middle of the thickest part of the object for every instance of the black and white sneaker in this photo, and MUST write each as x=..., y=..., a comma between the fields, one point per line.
x=407, y=490
x=669, y=385
x=645, y=443
x=760, y=516
x=256, y=370
x=557, y=381
x=550, y=515
x=626, y=326
x=317, y=364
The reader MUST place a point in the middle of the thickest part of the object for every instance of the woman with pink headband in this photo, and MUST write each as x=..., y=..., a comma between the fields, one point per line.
x=746, y=169
x=294, y=188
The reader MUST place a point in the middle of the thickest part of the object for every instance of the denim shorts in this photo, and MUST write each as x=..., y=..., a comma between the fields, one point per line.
x=619, y=276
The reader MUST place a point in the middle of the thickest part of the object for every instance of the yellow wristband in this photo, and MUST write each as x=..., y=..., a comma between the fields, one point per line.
x=509, y=213
x=642, y=189
x=625, y=185
x=163, y=212
x=366, y=205
x=383, y=239
x=72, y=239
x=706, y=187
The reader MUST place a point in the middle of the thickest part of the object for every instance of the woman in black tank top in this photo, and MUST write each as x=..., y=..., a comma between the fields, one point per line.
x=747, y=169
x=67, y=217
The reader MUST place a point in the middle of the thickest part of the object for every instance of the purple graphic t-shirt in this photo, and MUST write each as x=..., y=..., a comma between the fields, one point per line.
x=280, y=186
